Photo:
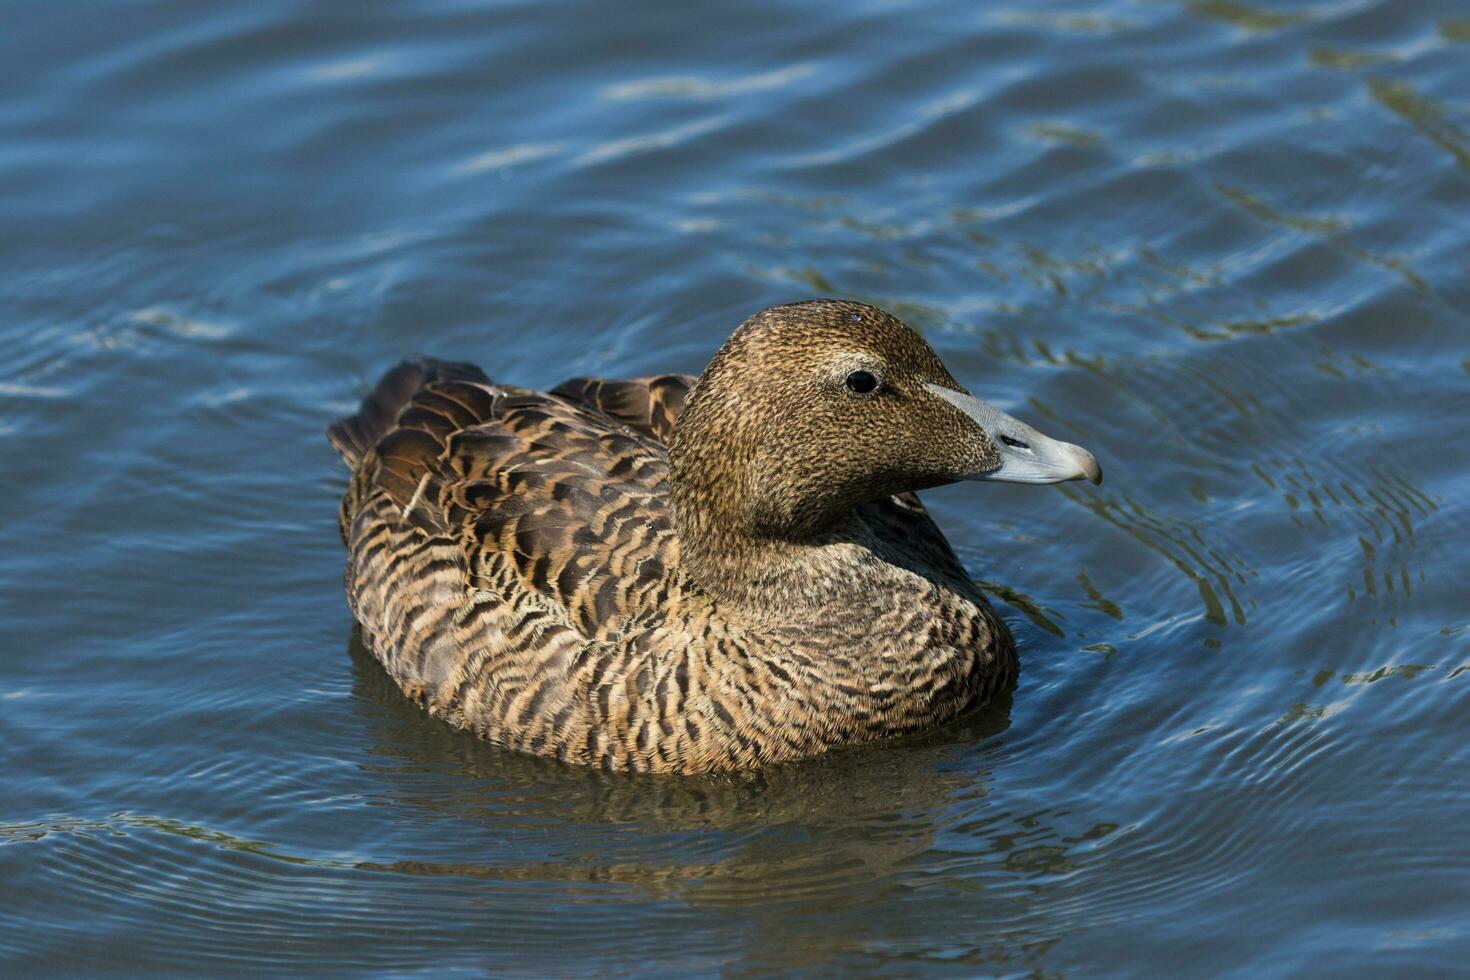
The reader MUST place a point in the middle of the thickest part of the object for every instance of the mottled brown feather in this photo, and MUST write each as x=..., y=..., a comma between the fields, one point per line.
x=650, y=405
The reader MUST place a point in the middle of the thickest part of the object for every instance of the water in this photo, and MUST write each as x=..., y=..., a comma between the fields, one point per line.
x=1225, y=246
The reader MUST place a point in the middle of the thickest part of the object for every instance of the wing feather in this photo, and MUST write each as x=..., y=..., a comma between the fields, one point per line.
x=565, y=491
x=649, y=405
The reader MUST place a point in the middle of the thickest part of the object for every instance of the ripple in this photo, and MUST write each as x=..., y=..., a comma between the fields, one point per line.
x=1066, y=22
x=694, y=87
x=648, y=143
x=508, y=157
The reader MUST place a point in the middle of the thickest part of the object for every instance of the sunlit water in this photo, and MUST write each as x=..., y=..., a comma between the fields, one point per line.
x=1225, y=246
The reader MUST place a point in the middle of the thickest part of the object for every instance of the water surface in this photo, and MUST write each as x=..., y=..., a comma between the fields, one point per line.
x=1226, y=246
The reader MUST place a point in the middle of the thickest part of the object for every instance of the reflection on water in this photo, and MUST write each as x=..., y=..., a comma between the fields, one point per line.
x=1424, y=114
x=1331, y=230
x=1023, y=603
x=1248, y=16
x=1183, y=545
x=1220, y=243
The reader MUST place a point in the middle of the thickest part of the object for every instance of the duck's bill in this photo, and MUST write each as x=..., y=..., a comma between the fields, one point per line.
x=1026, y=455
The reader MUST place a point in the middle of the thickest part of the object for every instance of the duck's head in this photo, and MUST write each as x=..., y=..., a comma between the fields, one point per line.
x=812, y=409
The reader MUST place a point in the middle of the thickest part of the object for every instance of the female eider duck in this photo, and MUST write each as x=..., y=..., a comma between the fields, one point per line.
x=687, y=575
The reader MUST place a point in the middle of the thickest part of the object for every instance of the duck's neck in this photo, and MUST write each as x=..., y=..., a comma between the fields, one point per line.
x=776, y=579
x=779, y=540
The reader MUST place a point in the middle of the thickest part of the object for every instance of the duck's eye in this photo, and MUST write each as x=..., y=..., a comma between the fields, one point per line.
x=861, y=382
x=1014, y=443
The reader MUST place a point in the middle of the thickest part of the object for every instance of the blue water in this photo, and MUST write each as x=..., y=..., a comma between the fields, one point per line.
x=1224, y=245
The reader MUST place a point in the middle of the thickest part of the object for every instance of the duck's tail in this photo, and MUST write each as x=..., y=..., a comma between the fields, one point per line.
x=356, y=434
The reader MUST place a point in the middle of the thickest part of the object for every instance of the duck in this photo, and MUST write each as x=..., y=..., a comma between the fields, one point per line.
x=685, y=575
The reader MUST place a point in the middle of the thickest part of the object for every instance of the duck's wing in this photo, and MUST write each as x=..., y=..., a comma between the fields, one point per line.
x=542, y=492
x=649, y=405
x=354, y=435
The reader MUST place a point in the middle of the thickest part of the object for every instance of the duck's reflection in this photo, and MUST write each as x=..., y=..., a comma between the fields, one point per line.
x=857, y=857
x=847, y=817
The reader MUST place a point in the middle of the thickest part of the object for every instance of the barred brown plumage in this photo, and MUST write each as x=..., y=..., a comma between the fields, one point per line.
x=668, y=575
